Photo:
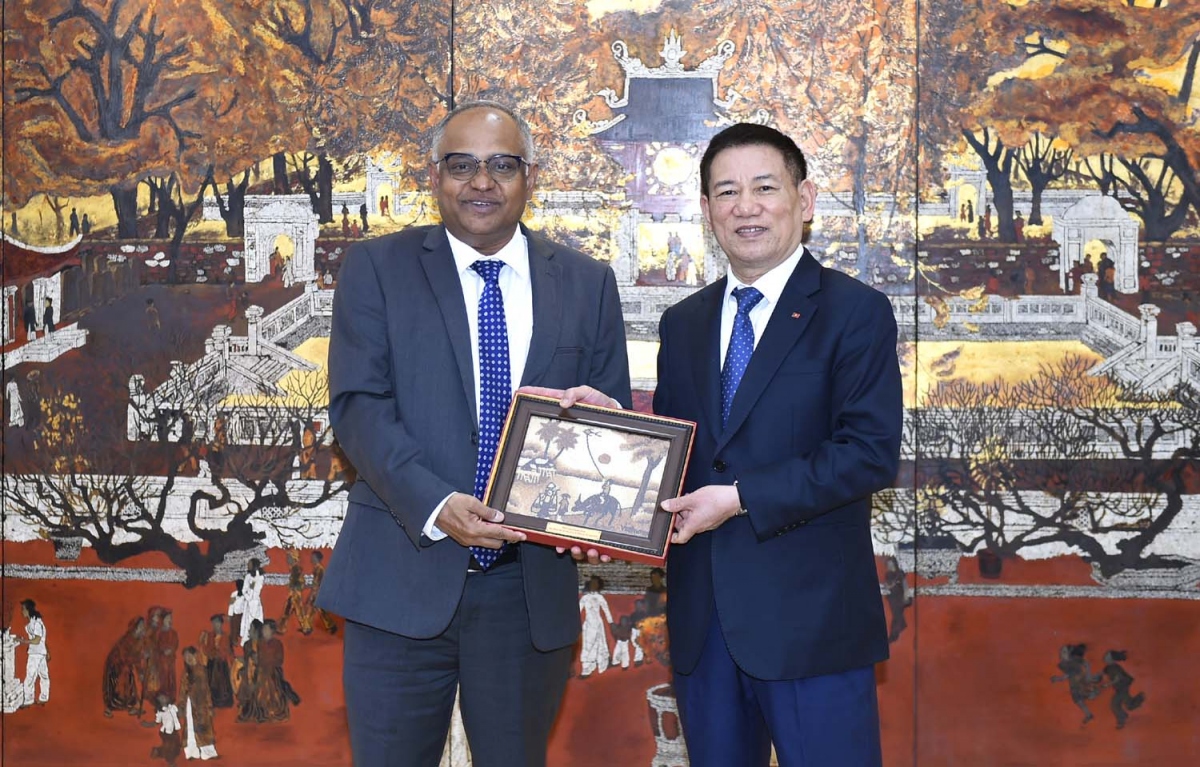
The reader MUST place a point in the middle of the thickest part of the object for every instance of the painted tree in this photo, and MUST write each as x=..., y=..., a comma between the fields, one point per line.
x=548, y=433
x=1042, y=161
x=860, y=85
x=1133, y=136
x=567, y=439
x=962, y=47
x=354, y=77
x=104, y=94
x=125, y=498
x=499, y=54
x=1012, y=467
x=652, y=450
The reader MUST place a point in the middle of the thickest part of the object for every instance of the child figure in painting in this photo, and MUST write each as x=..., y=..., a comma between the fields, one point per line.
x=168, y=721
x=1078, y=676
x=623, y=631
x=1120, y=681
x=564, y=506
x=594, y=657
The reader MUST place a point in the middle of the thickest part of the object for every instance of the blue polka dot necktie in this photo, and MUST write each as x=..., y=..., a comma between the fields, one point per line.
x=495, y=384
x=741, y=346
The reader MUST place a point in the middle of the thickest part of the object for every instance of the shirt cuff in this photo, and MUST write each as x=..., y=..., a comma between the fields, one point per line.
x=431, y=530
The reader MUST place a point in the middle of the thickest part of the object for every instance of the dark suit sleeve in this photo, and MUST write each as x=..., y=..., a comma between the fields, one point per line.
x=861, y=456
x=362, y=408
x=610, y=362
x=662, y=402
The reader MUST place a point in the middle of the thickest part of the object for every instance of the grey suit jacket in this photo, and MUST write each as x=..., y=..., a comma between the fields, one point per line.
x=402, y=404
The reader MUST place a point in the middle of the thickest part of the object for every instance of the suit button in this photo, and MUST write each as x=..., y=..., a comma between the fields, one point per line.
x=718, y=466
x=475, y=438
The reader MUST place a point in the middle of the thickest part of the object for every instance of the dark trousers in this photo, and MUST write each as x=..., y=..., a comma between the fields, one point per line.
x=400, y=691
x=730, y=718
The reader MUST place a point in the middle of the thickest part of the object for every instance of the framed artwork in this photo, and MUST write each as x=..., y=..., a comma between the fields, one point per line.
x=590, y=476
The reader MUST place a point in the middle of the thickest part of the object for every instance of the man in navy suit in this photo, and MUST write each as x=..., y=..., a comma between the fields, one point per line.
x=426, y=614
x=790, y=369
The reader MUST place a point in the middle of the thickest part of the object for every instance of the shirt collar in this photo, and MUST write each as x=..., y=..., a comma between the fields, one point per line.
x=772, y=283
x=515, y=254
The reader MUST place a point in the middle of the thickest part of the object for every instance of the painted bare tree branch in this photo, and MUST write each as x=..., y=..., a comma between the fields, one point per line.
x=70, y=491
x=988, y=446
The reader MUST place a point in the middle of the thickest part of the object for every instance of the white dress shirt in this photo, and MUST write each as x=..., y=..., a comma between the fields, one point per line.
x=770, y=285
x=517, y=289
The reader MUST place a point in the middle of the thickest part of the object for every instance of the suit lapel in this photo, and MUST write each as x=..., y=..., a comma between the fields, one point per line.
x=706, y=354
x=545, y=276
x=788, y=322
x=438, y=262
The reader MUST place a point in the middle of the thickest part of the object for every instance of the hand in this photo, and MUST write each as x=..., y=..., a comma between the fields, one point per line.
x=468, y=521
x=576, y=394
x=592, y=557
x=703, y=510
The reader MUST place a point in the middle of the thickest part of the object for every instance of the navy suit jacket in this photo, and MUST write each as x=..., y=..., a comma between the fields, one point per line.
x=402, y=404
x=814, y=429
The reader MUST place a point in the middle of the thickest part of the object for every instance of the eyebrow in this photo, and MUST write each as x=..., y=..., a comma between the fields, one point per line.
x=730, y=182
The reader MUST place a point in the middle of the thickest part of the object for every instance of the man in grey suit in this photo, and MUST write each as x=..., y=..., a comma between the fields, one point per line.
x=435, y=592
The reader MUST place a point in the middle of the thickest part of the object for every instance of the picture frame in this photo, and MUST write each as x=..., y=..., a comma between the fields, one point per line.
x=589, y=476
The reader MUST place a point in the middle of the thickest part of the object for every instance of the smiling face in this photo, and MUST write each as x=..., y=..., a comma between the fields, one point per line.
x=756, y=209
x=481, y=211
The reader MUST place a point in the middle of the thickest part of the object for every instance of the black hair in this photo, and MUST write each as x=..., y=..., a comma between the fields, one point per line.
x=752, y=134
x=31, y=608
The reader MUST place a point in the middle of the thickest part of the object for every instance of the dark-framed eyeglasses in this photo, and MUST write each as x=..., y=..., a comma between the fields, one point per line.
x=463, y=167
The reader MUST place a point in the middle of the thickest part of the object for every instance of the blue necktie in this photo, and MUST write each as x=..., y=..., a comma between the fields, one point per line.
x=495, y=384
x=741, y=346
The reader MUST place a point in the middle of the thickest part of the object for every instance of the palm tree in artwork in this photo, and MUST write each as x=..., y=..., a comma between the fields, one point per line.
x=565, y=440
x=548, y=432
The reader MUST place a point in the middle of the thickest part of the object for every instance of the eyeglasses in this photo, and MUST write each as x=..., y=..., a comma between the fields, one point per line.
x=463, y=167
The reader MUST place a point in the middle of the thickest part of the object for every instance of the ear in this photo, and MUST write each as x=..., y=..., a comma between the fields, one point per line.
x=531, y=181
x=808, y=199
x=704, y=209
x=435, y=178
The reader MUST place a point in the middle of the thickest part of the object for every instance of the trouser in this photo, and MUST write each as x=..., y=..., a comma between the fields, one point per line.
x=37, y=670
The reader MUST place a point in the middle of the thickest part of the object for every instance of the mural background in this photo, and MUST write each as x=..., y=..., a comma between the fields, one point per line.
x=181, y=178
